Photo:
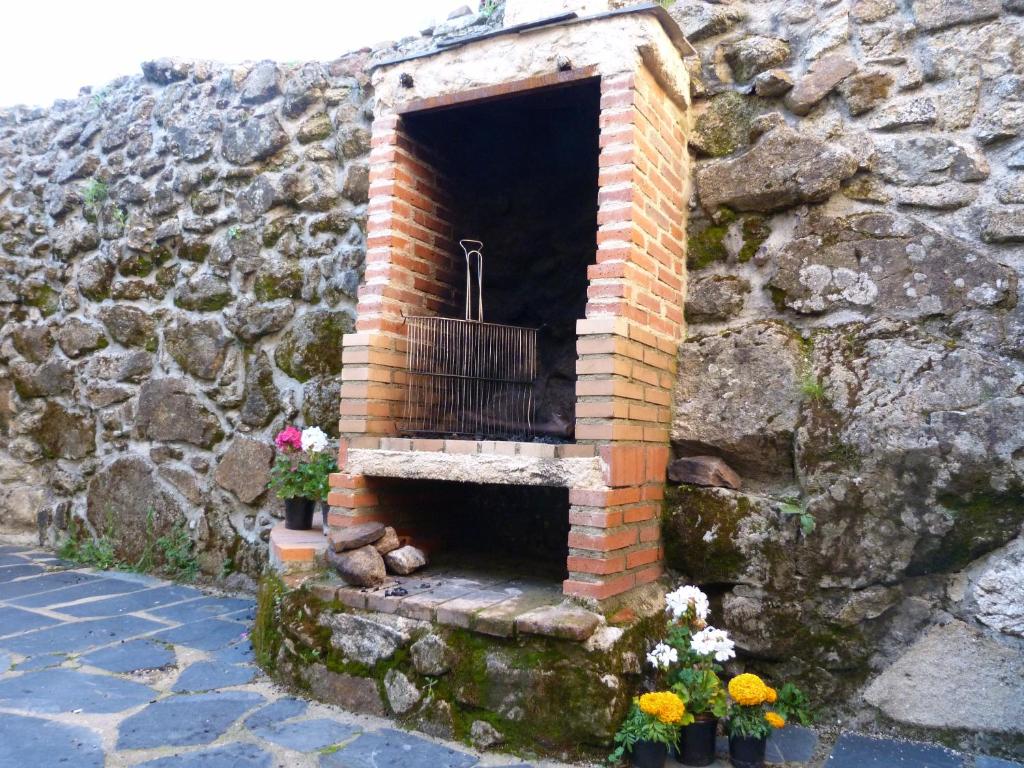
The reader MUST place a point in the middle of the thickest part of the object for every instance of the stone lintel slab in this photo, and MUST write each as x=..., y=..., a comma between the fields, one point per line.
x=582, y=472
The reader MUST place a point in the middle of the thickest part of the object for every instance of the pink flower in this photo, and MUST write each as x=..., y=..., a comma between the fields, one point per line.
x=289, y=438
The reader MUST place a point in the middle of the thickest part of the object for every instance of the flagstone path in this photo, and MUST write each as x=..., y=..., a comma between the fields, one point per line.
x=107, y=669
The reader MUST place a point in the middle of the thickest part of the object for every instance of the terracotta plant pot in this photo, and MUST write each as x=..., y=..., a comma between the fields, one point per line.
x=298, y=514
x=649, y=754
x=697, y=741
x=747, y=751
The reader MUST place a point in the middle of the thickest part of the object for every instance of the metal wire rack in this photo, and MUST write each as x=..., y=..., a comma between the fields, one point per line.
x=466, y=377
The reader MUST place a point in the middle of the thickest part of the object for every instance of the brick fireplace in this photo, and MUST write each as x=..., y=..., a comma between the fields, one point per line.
x=452, y=152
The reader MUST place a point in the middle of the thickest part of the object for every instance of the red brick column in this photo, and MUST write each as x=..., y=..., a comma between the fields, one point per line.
x=627, y=343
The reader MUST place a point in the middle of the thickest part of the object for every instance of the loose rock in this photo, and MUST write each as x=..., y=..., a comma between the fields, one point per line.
x=363, y=567
x=405, y=560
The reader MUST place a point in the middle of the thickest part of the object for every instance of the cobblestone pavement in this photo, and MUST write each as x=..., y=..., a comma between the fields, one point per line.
x=117, y=669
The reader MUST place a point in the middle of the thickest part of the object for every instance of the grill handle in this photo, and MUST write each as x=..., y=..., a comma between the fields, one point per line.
x=474, y=249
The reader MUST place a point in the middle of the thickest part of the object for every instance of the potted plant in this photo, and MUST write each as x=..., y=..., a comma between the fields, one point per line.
x=300, y=473
x=650, y=728
x=751, y=718
x=697, y=648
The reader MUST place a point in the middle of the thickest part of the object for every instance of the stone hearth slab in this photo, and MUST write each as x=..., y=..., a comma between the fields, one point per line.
x=855, y=751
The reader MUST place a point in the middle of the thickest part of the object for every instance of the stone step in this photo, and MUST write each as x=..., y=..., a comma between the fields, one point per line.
x=297, y=551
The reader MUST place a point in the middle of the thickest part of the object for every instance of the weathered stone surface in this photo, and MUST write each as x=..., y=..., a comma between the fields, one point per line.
x=402, y=694
x=168, y=410
x=928, y=160
x=198, y=346
x=566, y=621
x=260, y=84
x=886, y=263
x=250, y=321
x=431, y=656
x=753, y=54
x=864, y=91
x=724, y=126
x=244, y=469
x=995, y=591
x=34, y=342
x=77, y=337
x=717, y=297
x=484, y=735
x=821, y=78
x=1004, y=226
x=363, y=567
x=774, y=82
x=126, y=500
x=405, y=560
x=908, y=113
x=704, y=470
x=699, y=20
x=783, y=169
x=204, y=292
x=64, y=433
x=355, y=536
x=321, y=403
x=722, y=406
x=256, y=139
x=130, y=326
x=312, y=346
x=938, y=14
x=166, y=71
x=368, y=639
x=387, y=542
x=262, y=401
x=944, y=661
x=941, y=197
x=51, y=378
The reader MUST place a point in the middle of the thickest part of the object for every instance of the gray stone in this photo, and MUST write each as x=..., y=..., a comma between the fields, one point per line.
x=260, y=84
x=307, y=735
x=210, y=675
x=704, y=470
x=257, y=138
x=567, y=622
x=792, y=744
x=1003, y=226
x=431, y=656
x=939, y=14
x=997, y=589
x=34, y=341
x=262, y=401
x=94, y=275
x=133, y=602
x=29, y=741
x=250, y=321
x=14, y=620
x=355, y=536
x=402, y=694
x=484, y=735
x=928, y=160
x=302, y=88
x=821, y=78
x=363, y=567
x=388, y=542
x=129, y=325
x=941, y=197
x=79, y=636
x=77, y=337
x=71, y=594
x=206, y=635
x=351, y=141
x=180, y=721
x=855, y=751
x=244, y=469
x=735, y=416
x=234, y=755
x=198, y=346
x=783, y=169
x=405, y=560
x=169, y=411
x=724, y=126
x=867, y=11
x=371, y=638
x=774, y=82
x=78, y=167
x=388, y=748
x=125, y=499
x=436, y=719
x=276, y=713
x=312, y=345
x=63, y=433
x=699, y=20
x=753, y=54
x=204, y=292
x=53, y=377
x=356, y=694
x=864, y=91
x=716, y=297
x=909, y=113
x=131, y=656
x=166, y=71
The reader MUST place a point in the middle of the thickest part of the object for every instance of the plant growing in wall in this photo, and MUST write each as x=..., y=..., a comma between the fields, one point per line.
x=300, y=473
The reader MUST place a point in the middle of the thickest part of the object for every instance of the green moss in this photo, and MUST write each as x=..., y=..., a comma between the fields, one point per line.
x=194, y=250
x=266, y=630
x=982, y=521
x=755, y=231
x=688, y=514
x=44, y=298
x=279, y=281
x=724, y=126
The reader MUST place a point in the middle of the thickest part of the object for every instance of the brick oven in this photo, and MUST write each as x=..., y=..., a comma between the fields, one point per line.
x=561, y=144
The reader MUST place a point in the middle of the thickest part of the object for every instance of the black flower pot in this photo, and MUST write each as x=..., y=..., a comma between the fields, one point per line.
x=298, y=514
x=697, y=742
x=747, y=751
x=649, y=754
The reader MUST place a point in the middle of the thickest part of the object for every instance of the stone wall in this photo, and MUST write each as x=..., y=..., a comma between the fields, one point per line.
x=180, y=253
x=855, y=336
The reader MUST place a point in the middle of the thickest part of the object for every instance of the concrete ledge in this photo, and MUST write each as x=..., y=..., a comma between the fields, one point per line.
x=482, y=468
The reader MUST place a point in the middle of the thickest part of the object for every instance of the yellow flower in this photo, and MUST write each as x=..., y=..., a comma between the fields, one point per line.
x=774, y=720
x=748, y=690
x=664, y=705
x=771, y=695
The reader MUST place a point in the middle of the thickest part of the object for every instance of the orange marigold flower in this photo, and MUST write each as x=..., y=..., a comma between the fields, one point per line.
x=771, y=695
x=664, y=705
x=748, y=690
x=774, y=720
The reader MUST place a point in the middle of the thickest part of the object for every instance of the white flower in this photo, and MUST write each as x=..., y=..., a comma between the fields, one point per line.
x=684, y=598
x=662, y=656
x=713, y=641
x=314, y=440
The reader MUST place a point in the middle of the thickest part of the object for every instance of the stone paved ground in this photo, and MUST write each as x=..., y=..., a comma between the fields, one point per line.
x=117, y=669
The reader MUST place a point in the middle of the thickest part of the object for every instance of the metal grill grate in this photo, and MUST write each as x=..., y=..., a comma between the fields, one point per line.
x=468, y=377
